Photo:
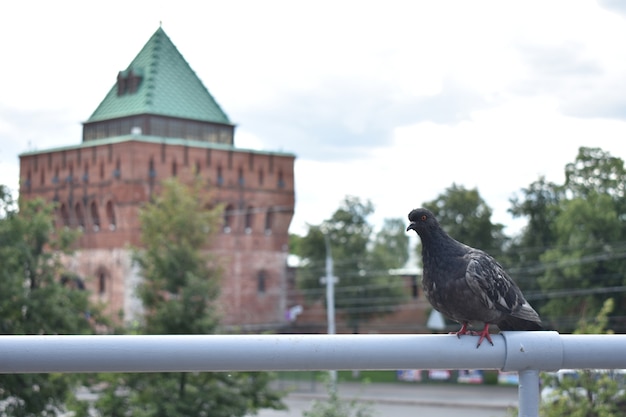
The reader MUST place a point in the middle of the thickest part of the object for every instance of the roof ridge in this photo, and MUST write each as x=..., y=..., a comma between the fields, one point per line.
x=159, y=81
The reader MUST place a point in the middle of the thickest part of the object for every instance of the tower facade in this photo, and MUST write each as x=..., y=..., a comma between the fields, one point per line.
x=156, y=122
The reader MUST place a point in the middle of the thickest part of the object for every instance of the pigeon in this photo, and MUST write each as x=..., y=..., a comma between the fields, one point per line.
x=467, y=284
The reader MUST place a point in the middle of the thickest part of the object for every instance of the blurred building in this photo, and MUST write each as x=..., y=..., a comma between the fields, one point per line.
x=411, y=315
x=159, y=121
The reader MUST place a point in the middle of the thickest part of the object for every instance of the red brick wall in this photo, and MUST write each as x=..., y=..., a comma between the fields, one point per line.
x=85, y=180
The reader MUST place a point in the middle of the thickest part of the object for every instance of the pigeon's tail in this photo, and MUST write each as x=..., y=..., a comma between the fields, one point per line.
x=516, y=323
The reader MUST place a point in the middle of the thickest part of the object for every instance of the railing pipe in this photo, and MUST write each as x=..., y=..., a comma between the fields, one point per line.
x=528, y=393
x=512, y=351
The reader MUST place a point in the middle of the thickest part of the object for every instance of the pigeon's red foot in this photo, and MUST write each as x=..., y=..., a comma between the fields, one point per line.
x=463, y=330
x=484, y=334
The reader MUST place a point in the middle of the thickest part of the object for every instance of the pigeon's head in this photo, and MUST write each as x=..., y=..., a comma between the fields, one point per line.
x=422, y=220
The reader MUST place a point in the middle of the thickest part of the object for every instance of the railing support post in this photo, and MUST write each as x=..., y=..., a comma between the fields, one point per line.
x=529, y=393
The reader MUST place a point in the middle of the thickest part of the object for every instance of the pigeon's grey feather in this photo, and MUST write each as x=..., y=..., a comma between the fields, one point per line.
x=467, y=284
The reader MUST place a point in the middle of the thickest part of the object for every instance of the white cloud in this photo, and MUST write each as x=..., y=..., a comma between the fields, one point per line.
x=389, y=101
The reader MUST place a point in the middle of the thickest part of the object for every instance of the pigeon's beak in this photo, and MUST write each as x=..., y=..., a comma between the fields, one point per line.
x=411, y=226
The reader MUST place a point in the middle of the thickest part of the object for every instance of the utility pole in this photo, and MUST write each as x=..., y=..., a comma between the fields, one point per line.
x=330, y=281
x=330, y=288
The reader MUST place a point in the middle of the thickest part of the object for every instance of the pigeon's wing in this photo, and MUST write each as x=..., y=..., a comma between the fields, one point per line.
x=496, y=290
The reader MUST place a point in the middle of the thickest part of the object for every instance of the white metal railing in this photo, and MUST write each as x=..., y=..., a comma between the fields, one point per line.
x=524, y=352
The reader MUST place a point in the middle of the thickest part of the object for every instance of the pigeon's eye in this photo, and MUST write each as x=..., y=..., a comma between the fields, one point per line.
x=423, y=217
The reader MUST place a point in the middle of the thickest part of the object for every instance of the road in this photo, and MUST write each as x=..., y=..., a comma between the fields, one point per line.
x=404, y=400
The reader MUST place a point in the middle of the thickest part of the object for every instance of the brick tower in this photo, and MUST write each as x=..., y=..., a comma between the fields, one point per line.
x=158, y=121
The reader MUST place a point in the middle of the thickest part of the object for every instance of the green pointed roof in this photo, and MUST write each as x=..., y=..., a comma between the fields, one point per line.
x=164, y=84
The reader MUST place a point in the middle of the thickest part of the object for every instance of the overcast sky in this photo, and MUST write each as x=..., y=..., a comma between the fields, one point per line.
x=391, y=101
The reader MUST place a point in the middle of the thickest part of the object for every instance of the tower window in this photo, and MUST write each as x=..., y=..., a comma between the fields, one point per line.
x=95, y=217
x=103, y=277
x=240, y=180
x=65, y=215
x=102, y=283
x=28, y=181
x=261, y=282
x=128, y=82
x=80, y=218
x=111, y=215
x=249, y=219
x=151, y=170
x=228, y=218
x=269, y=220
x=117, y=173
x=220, y=177
x=281, y=180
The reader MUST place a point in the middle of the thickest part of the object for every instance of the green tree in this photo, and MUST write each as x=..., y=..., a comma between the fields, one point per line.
x=582, y=264
x=573, y=247
x=540, y=203
x=592, y=393
x=465, y=216
x=365, y=289
x=390, y=248
x=179, y=291
x=35, y=299
x=596, y=172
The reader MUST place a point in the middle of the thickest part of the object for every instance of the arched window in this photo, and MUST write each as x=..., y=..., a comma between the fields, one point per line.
x=220, y=177
x=174, y=168
x=240, y=179
x=261, y=282
x=261, y=177
x=117, y=173
x=80, y=216
x=65, y=215
x=29, y=181
x=111, y=215
x=269, y=220
x=228, y=218
x=95, y=216
x=70, y=177
x=249, y=220
x=103, y=277
x=151, y=170
x=281, y=180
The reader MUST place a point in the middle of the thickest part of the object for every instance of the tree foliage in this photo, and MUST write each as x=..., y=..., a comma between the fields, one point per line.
x=573, y=246
x=361, y=261
x=592, y=393
x=179, y=291
x=38, y=296
x=465, y=216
